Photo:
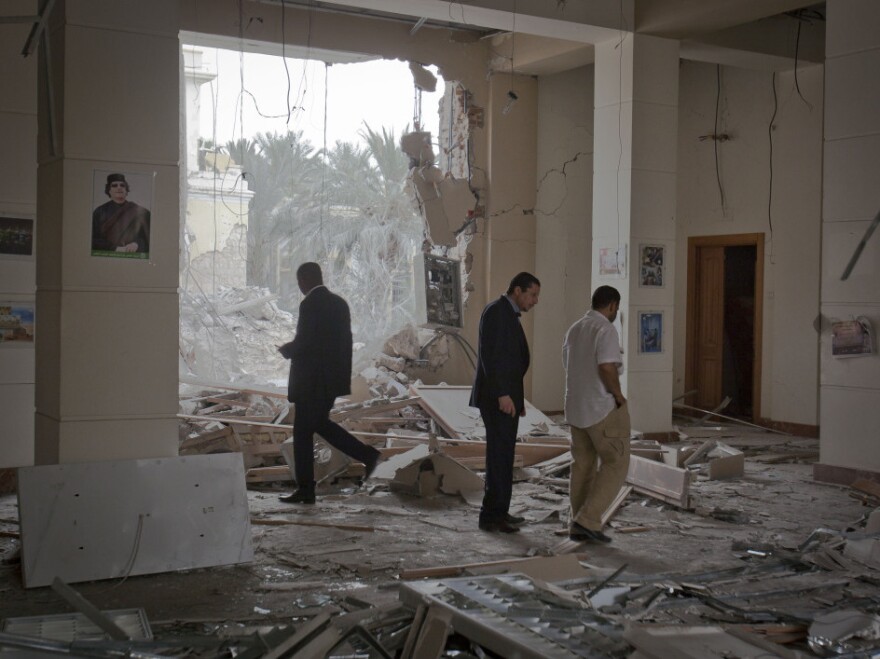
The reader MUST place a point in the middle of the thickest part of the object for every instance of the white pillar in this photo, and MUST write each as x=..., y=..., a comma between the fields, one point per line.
x=849, y=394
x=107, y=328
x=634, y=184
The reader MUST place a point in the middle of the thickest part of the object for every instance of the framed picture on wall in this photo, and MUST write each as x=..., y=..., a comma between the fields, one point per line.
x=121, y=203
x=851, y=338
x=16, y=238
x=652, y=266
x=650, y=332
x=16, y=324
x=612, y=261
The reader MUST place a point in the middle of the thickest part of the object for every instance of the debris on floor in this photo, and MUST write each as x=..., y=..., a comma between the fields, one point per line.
x=763, y=563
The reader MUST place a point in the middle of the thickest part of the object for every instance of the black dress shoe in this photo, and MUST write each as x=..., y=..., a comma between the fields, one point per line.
x=516, y=520
x=580, y=533
x=370, y=466
x=498, y=526
x=302, y=495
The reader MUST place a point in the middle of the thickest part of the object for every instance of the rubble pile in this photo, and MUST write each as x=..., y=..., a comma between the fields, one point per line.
x=233, y=336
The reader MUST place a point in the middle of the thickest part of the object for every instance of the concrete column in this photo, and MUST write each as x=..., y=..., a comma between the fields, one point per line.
x=635, y=128
x=510, y=225
x=849, y=393
x=106, y=349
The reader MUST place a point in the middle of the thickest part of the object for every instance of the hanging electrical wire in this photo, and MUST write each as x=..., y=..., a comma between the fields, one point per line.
x=770, y=139
x=715, y=136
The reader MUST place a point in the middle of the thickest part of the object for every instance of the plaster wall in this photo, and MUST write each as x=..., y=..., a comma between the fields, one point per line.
x=850, y=388
x=563, y=223
x=18, y=199
x=790, y=359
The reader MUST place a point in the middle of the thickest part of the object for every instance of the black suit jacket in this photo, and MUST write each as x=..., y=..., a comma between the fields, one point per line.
x=503, y=357
x=320, y=353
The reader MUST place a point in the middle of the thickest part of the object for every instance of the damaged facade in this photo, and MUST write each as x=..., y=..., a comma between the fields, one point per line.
x=712, y=164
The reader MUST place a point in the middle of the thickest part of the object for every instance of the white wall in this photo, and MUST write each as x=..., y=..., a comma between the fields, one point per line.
x=790, y=366
x=850, y=388
x=563, y=223
x=18, y=198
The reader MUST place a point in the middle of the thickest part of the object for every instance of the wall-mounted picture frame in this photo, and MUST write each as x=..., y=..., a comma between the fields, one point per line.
x=650, y=332
x=121, y=215
x=16, y=238
x=852, y=338
x=612, y=261
x=16, y=325
x=652, y=266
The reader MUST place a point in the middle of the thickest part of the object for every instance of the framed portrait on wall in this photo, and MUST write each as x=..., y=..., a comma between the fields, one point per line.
x=652, y=266
x=121, y=216
x=650, y=332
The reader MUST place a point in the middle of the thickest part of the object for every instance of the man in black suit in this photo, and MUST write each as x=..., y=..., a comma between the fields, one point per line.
x=498, y=391
x=320, y=370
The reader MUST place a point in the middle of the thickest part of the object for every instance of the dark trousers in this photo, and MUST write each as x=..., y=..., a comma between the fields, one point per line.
x=500, y=448
x=313, y=416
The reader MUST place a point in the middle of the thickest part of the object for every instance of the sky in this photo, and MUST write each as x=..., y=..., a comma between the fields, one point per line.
x=379, y=93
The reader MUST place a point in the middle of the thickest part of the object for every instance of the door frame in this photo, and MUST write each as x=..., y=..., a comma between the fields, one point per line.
x=731, y=240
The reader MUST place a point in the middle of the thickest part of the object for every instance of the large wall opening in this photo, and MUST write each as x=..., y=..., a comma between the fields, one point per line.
x=293, y=159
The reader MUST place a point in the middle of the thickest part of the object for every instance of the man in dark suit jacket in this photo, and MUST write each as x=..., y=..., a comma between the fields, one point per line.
x=320, y=370
x=498, y=391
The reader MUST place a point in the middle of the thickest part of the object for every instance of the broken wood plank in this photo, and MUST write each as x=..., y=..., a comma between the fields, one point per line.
x=295, y=522
x=457, y=570
x=616, y=503
x=268, y=474
x=235, y=420
x=659, y=480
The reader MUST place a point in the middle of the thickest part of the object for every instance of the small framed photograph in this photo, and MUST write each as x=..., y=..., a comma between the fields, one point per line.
x=16, y=238
x=17, y=324
x=652, y=266
x=612, y=261
x=851, y=338
x=650, y=332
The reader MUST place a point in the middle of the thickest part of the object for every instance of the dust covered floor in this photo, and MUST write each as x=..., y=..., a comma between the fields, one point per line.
x=357, y=541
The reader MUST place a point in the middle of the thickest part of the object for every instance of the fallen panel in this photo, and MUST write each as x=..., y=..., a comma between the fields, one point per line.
x=449, y=406
x=513, y=616
x=699, y=642
x=725, y=462
x=103, y=520
x=660, y=481
x=77, y=627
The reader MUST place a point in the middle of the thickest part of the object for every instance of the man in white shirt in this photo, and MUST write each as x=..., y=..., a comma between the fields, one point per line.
x=597, y=413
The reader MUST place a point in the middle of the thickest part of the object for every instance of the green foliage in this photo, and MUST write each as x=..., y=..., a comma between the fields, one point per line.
x=346, y=208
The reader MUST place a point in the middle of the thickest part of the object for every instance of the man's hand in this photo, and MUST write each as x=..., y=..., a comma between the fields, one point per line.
x=505, y=404
x=619, y=400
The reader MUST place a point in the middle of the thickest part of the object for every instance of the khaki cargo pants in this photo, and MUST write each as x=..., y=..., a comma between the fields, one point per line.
x=594, y=484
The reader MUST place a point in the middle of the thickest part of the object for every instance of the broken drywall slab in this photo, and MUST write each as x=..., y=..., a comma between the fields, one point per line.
x=847, y=631
x=328, y=461
x=659, y=480
x=103, y=520
x=449, y=405
x=724, y=461
x=699, y=642
x=437, y=474
x=387, y=469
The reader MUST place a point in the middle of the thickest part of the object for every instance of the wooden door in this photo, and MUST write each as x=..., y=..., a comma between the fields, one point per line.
x=704, y=361
x=709, y=339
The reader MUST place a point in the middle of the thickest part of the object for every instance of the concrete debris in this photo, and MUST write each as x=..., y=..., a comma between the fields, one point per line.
x=845, y=631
